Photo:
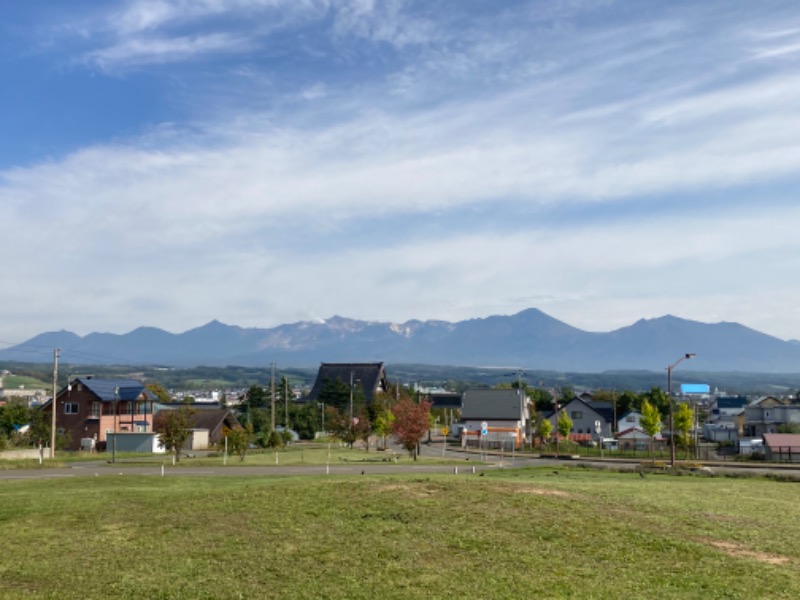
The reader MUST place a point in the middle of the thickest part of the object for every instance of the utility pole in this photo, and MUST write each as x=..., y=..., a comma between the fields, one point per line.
x=53, y=405
x=286, y=402
x=272, y=399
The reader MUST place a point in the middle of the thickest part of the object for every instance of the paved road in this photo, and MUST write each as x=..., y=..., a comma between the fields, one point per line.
x=469, y=463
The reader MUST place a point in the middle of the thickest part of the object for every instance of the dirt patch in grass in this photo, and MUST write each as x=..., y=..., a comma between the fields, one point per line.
x=537, y=491
x=740, y=551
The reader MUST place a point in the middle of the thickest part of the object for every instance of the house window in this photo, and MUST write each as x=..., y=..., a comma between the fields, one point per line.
x=576, y=414
x=70, y=408
x=630, y=419
x=96, y=408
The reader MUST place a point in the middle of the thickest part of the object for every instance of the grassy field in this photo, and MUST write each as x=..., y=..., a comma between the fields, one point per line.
x=13, y=382
x=509, y=534
x=298, y=454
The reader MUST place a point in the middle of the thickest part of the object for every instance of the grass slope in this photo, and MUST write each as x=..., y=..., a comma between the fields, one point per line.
x=510, y=534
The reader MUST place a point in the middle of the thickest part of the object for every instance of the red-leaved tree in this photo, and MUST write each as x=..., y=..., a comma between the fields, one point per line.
x=411, y=422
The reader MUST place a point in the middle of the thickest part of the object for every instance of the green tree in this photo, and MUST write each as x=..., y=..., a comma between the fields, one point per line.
x=338, y=423
x=658, y=398
x=173, y=428
x=239, y=440
x=307, y=420
x=564, y=424
x=160, y=392
x=684, y=419
x=542, y=399
x=626, y=402
x=565, y=394
x=544, y=430
x=383, y=424
x=13, y=415
x=788, y=428
x=335, y=393
x=255, y=397
x=650, y=421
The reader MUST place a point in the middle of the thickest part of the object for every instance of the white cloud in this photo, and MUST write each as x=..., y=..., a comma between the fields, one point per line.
x=560, y=164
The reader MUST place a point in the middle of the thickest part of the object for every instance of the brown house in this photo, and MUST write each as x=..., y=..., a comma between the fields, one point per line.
x=89, y=408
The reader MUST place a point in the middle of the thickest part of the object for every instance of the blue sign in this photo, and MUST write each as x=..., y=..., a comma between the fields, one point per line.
x=695, y=388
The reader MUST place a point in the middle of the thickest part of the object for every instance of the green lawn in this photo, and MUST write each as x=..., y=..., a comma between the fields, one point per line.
x=532, y=533
x=13, y=382
x=294, y=455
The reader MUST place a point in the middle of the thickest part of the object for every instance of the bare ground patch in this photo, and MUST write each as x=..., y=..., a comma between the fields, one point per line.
x=537, y=491
x=740, y=551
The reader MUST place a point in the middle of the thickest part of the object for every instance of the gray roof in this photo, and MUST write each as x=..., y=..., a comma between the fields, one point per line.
x=503, y=405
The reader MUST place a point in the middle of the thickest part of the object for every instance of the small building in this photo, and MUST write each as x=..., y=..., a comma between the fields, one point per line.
x=782, y=447
x=209, y=426
x=635, y=438
x=207, y=423
x=505, y=412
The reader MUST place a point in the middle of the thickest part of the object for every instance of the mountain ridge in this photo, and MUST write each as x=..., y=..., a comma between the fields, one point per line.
x=530, y=339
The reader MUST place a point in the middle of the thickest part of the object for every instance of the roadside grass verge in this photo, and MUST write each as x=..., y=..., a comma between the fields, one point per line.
x=293, y=455
x=540, y=533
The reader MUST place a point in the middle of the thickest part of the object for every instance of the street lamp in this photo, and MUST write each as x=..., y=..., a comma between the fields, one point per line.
x=671, y=408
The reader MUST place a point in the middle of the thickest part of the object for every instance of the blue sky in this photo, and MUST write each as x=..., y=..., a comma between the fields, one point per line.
x=166, y=163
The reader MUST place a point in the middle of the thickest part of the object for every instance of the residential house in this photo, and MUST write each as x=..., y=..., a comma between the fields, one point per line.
x=782, y=447
x=630, y=420
x=207, y=422
x=89, y=408
x=762, y=419
x=505, y=412
x=630, y=434
x=635, y=438
x=209, y=426
x=585, y=415
x=725, y=409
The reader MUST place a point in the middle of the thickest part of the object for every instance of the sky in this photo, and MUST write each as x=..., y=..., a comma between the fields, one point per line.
x=166, y=163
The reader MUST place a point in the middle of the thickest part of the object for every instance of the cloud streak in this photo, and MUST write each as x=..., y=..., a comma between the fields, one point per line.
x=399, y=159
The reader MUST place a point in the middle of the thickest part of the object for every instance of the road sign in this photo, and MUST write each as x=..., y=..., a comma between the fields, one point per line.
x=445, y=431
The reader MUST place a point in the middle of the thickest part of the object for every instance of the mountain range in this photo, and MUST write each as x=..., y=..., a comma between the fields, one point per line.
x=529, y=339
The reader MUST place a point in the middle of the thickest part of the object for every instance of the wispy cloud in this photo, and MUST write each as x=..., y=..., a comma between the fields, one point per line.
x=458, y=160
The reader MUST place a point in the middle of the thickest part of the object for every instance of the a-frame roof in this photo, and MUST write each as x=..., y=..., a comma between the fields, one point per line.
x=212, y=419
x=370, y=377
x=601, y=409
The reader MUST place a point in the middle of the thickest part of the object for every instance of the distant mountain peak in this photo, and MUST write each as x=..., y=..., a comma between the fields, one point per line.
x=530, y=338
